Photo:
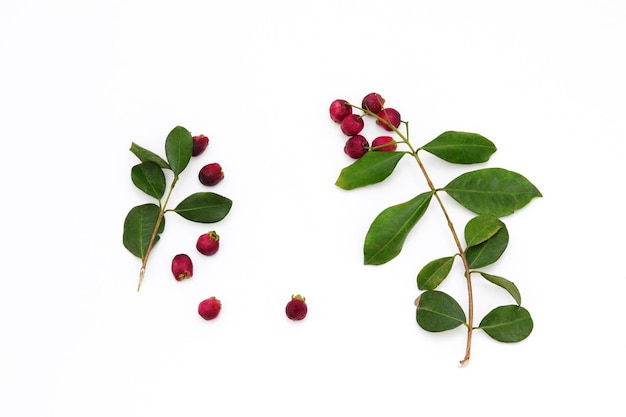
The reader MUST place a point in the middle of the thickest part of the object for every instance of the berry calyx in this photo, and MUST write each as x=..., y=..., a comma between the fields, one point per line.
x=352, y=124
x=200, y=143
x=296, y=308
x=339, y=109
x=182, y=267
x=208, y=243
x=390, y=117
x=211, y=174
x=209, y=308
x=384, y=144
x=373, y=102
x=356, y=146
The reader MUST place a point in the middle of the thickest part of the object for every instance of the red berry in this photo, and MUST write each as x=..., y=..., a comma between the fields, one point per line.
x=356, y=146
x=200, y=143
x=373, y=102
x=352, y=124
x=209, y=308
x=339, y=109
x=211, y=174
x=384, y=140
x=182, y=267
x=389, y=116
x=296, y=308
x=208, y=243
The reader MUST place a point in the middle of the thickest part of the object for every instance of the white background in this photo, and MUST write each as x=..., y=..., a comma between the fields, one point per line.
x=81, y=80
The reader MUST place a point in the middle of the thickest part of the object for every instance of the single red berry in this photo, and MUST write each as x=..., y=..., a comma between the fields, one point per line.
x=182, y=267
x=296, y=308
x=209, y=308
x=208, y=243
x=384, y=140
x=200, y=143
x=339, y=109
x=373, y=102
x=356, y=146
x=211, y=174
x=352, y=124
x=389, y=116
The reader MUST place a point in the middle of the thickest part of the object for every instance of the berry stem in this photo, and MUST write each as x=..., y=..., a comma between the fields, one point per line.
x=163, y=206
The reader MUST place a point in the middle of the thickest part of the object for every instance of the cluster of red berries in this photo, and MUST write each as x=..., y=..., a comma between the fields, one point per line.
x=351, y=124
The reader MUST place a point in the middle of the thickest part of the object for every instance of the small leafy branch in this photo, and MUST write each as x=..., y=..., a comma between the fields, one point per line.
x=145, y=223
x=490, y=193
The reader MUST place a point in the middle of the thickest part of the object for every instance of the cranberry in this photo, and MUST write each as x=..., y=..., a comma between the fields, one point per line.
x=211, y=174
x=200, y=143
x=339, y=109
x=356, y=146
x=352, y=124
x=389, y=117
x=384, y=140
x=373, y=102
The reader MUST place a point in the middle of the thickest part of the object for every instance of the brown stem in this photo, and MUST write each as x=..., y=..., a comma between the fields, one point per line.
x=470, y=294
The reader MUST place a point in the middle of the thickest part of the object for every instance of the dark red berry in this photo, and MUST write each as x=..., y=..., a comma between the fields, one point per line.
x=352, y=124
x=200, y=143
x=182, y=267
x=356, y=146
x=209, y=308
x=339, y=109
x=384, y=140
x=389, y=117
x=208, y=243
x=211, y=174
x=373, y=102
x=296, y=307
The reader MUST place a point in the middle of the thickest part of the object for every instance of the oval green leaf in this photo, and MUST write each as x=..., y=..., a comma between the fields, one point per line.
x=493, y=191
x=139, y=225
x=371, y=168
x=149, y=178
x=434, y=272
x=438, y=312
x=178, y=149
x=461, y=147
x=507, y=324
x=481, y=228
x=145, y=155
x=389, y=230
x=489, y=251
x=205, y=207
x=506, y=284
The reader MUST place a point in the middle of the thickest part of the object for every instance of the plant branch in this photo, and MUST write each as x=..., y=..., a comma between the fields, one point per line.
x=470, y=294
x=163, y=207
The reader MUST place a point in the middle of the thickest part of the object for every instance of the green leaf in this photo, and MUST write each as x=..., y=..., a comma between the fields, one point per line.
x=507, y=323
x=506, y=284
x=139, y=226
x=461, y=147
x=434, y=272
x=149, y=178
x=437, y=312
x=145, y=155
x=481, y=228
x=205, y=207
x=178, y=148
x=493, y=191
x=371, y=168
x=489, y=251
x=387, y=233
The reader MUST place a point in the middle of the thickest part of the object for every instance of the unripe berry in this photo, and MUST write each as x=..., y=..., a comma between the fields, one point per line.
x=200, y=143
x=182, y=267
x=209, y=308
x=208, y=243
x=356, y=146
x=384, y=140
x=373, y=102
x=211, y=174
x=339, y=109
x=389, y=116
x=352, y=124
x=296, y=308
